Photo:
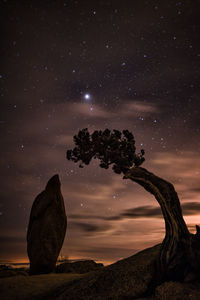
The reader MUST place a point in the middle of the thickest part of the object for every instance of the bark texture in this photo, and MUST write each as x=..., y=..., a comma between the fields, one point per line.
x=180, y=251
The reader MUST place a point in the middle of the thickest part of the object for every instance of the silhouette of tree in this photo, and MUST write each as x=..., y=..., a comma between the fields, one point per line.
x=179, y=257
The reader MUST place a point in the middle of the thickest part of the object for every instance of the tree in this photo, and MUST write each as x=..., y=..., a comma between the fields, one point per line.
x=179, y=257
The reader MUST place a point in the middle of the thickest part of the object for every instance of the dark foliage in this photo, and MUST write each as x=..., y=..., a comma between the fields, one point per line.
x=110, y=147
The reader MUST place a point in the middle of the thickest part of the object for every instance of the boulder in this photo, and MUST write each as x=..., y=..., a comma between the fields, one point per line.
x=130, y=278
x=178, y=291
x=14, y=272
x=8, y=271
x=79, y=267
x=47, y=228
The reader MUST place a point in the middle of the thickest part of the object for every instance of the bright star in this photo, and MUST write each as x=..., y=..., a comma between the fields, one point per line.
x=87, y=96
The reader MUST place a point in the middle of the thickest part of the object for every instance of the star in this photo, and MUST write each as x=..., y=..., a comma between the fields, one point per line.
x=87, y=96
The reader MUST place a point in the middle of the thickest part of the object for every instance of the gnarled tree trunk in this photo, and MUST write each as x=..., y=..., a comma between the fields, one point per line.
x=180, y=251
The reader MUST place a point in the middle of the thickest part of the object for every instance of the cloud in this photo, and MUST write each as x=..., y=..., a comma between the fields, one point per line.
x=181, y=169
x=131, y=108
x=83, y=216
x=195, y=190
x=147, y=211
x=191, y=208
x=88, y=227
x=89, y=110
x=132, y=213
x=142, y=212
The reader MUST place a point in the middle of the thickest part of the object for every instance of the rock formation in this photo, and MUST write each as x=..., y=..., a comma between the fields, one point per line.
x=79, y=267
x=129, y=278
x=47, y=228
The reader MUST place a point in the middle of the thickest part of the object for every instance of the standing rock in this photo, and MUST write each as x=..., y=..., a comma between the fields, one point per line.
x=47, y=228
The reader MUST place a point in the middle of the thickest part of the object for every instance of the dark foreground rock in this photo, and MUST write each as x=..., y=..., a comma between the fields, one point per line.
x=38, y=287
x=7, y=271
x=79, y=267
x=178, y=291
x=47, y=228
x=131, y=278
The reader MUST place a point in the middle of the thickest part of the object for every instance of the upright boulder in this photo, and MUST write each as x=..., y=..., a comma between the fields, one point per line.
x=47, y=228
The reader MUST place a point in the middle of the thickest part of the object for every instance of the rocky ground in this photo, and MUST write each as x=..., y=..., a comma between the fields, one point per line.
x=130, y=278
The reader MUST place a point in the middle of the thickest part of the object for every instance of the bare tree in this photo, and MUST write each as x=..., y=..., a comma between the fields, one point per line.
x=179, y=257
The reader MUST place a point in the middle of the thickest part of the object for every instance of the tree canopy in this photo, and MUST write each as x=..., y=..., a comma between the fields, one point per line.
x=114, y=148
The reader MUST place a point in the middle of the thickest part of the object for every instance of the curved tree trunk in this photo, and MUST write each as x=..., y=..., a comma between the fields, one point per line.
x=177, y=260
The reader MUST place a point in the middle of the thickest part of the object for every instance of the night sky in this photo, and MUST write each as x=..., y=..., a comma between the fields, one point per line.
x=68, y=65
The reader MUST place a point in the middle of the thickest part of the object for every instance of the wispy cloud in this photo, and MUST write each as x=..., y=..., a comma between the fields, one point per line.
x=182, y=169
x=138, y=107
x=90, y=228
x=147, y=211
x=90, y=110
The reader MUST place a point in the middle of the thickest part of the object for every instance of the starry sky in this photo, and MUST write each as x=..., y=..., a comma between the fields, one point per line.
x=68, y=65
